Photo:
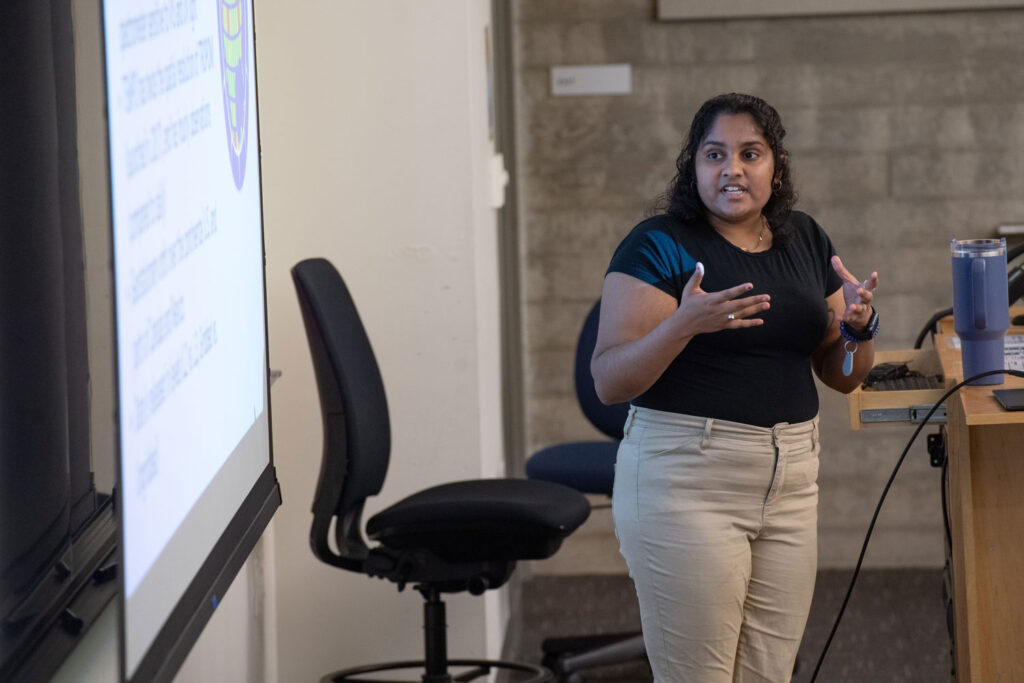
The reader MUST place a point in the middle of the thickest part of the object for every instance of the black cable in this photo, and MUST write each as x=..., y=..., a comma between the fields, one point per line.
x=930, y=325
x=1014, y=252
x=885, y=492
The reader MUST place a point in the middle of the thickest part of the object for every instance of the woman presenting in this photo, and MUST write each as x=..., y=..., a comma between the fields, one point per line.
x=712, y=317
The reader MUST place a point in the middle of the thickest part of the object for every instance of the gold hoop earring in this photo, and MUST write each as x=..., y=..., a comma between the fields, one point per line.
x=776, y=185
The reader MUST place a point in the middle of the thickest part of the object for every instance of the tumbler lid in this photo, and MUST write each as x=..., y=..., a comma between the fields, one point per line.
x=978, y=248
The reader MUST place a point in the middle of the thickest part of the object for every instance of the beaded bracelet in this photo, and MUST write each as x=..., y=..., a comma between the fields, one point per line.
x=854, y=337
x=869, y=332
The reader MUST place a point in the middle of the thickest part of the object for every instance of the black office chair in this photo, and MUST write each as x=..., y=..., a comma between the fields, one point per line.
x=461, y=536
x=588, y=467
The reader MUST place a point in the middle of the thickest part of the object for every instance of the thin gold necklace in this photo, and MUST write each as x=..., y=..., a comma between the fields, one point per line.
x=760, y=236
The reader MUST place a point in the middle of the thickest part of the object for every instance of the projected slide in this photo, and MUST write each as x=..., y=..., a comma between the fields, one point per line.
x=187, y=255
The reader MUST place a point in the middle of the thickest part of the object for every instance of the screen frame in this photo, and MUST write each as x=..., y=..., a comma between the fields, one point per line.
x=190, y=614
x=182, y=628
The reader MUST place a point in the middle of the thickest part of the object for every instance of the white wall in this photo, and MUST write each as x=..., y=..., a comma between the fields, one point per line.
x=375, y=148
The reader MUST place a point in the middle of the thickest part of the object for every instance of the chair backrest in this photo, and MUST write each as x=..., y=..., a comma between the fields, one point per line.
x=608, y=419
x=357, y=432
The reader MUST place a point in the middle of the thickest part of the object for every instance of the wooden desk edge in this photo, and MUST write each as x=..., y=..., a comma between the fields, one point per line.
x=980, y=407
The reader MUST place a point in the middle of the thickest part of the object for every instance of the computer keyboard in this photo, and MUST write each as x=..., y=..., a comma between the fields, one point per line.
x=908, y=383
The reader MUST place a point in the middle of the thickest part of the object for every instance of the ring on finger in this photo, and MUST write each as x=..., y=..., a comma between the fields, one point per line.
x=731, y=316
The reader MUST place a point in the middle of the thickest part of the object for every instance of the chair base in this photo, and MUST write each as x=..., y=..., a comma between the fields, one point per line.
x=568, y=656
x=479, y=667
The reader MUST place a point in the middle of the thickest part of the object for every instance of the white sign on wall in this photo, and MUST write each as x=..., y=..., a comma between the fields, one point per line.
x=592, y=79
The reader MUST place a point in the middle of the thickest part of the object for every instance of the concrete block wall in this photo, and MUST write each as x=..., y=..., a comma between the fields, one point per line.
x=906, y=130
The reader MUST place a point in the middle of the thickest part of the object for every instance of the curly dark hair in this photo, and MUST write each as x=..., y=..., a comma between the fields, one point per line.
x=682, y=200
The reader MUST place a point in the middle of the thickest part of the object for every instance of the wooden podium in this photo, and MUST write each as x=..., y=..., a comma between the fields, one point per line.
x=985, y=447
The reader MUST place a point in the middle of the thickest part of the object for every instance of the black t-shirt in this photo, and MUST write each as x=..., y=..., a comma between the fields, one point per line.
x=758, y=375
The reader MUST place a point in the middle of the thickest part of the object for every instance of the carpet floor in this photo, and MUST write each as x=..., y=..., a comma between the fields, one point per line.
x=894, y=628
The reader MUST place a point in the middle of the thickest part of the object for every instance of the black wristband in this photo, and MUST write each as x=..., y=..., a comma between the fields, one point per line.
x=869, y=332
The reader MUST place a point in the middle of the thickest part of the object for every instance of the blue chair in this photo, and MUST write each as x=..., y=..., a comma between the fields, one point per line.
x=588, y=467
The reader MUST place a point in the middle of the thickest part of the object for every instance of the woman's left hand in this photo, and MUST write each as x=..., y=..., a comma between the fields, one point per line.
x=856, y=294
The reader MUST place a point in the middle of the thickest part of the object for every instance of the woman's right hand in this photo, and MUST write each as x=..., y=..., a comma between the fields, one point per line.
x=643, y=329
x=701, y=312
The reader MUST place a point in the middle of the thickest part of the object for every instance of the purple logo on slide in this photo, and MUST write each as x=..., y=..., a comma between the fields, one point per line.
x=234, y=69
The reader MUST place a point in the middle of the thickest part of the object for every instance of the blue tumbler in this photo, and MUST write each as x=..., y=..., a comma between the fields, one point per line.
x=981, y=306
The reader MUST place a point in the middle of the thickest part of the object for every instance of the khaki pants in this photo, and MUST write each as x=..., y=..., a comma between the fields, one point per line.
x=717, y=521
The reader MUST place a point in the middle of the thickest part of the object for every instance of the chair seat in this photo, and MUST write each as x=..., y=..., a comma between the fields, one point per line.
x=587, y=466
x=482, y=520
